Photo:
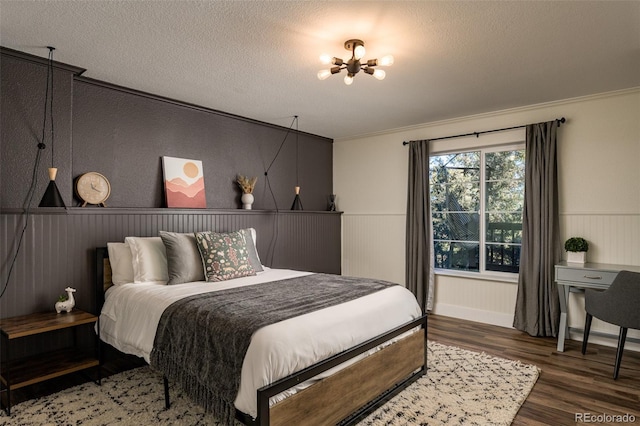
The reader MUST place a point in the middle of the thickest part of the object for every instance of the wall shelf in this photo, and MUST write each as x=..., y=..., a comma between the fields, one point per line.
x=159, y=210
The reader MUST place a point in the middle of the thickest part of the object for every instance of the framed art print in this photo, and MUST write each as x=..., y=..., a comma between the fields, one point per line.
x=184, y=183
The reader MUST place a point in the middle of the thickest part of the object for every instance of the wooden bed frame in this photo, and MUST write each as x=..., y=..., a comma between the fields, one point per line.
x=343, y=398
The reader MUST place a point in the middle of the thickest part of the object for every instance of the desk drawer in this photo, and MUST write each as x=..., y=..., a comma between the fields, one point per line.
x=588, y=276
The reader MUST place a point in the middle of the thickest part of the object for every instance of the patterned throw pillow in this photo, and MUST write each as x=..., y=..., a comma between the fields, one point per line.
x=224, y=255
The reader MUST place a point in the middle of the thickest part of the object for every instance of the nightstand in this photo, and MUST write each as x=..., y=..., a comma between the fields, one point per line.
x=17, y=373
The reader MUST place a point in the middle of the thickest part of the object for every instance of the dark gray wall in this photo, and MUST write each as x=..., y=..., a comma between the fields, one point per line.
x=22, y=96
x=123, y=134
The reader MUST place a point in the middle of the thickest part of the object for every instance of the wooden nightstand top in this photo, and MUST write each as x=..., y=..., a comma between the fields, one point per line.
x=27, y=325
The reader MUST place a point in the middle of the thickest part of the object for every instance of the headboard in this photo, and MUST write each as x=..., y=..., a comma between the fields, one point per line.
x=103, y=276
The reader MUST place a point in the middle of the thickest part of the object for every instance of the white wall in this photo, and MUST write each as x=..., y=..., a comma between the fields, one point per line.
x=599, y=178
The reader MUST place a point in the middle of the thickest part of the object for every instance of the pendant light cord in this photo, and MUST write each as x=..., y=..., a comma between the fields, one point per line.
x=297, y=158
x=36, y=166
x=49, y=99
x=272, y=245
x=266, y=172
x=50, y=83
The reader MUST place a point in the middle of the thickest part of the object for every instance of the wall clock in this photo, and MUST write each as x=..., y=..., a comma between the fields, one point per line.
x=93, y=188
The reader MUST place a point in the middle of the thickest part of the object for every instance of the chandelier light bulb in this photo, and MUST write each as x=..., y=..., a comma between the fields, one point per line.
x=324, y=74
x=386, y=61
x=325, y=59
x=379, y=74
x=354, y=64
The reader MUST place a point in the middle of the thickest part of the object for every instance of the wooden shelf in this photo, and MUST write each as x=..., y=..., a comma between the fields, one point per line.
x=43, y=322
x=28, y=371
x=73, y=210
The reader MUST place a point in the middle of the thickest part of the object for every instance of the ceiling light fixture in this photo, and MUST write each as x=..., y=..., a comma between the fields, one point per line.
x=355, y=64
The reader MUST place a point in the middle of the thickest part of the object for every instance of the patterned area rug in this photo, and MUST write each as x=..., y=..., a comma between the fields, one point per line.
x=461, y=387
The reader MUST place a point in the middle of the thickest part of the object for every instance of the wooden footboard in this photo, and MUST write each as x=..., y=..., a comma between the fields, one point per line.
x=340, y=395
x=351, y=393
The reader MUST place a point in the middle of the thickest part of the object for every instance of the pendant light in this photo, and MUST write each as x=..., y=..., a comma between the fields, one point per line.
x=51, y=197
x=297, y=203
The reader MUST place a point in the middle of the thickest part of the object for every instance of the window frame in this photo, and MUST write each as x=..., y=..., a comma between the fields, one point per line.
x=483, y=273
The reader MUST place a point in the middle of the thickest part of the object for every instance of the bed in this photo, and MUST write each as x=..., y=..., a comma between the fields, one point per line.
x=309, y=367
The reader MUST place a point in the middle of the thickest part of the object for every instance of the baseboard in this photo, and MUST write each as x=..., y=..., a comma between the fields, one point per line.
x=477, y=315
x=506, y=320
x=605, y=339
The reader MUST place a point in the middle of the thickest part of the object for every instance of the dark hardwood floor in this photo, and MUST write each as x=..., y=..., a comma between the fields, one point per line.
x=569, y=382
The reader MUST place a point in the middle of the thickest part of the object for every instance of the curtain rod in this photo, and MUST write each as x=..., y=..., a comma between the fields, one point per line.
x=477, y=134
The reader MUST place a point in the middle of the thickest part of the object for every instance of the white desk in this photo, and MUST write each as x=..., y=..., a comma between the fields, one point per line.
x=580, y=276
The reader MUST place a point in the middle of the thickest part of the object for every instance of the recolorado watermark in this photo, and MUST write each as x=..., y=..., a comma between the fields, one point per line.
x=603, y=418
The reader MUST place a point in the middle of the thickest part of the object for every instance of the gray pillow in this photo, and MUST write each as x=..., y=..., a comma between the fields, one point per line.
x=183, y=258
x=252, y=251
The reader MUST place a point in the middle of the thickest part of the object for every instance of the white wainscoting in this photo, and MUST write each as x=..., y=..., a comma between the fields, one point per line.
x=613, y=237
x=477, y=315
x=373, y=245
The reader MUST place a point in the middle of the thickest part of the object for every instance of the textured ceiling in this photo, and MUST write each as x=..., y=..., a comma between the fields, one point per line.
x=259, y=59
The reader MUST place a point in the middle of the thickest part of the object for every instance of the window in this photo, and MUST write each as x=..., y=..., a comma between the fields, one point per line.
x=466, y=187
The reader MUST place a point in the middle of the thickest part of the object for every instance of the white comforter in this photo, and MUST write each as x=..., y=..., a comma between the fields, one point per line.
x=131, y=314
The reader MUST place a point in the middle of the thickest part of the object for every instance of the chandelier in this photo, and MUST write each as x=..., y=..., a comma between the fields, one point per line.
x=355, y=64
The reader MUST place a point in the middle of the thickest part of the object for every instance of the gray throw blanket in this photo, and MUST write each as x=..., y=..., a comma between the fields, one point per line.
x=202, y=340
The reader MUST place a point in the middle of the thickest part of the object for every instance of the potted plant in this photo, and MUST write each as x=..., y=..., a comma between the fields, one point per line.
x=576, y=248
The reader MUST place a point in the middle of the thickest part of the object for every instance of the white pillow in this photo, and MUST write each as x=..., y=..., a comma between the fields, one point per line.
x=149, y=259
x=121, y=263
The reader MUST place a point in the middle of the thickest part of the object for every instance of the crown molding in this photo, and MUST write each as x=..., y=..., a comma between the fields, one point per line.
x=423, y=126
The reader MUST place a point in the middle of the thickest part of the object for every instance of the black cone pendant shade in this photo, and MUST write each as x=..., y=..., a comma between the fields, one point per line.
x=52, y=197
x=297, y=203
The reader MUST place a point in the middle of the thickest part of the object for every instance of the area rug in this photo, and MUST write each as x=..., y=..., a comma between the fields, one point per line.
x=461, y=387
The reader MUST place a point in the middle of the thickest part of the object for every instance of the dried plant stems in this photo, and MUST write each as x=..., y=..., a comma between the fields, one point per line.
x=246, y=184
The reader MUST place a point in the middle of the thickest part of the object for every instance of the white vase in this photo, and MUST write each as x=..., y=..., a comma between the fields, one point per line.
x=247, y=200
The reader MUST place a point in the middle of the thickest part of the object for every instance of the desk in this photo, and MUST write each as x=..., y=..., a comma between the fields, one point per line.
x=571, y=276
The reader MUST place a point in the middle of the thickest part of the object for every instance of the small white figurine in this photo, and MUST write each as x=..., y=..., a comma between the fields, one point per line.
x=68, y=304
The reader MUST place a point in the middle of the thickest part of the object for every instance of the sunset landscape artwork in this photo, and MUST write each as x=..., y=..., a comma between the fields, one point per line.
x=184, y=183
